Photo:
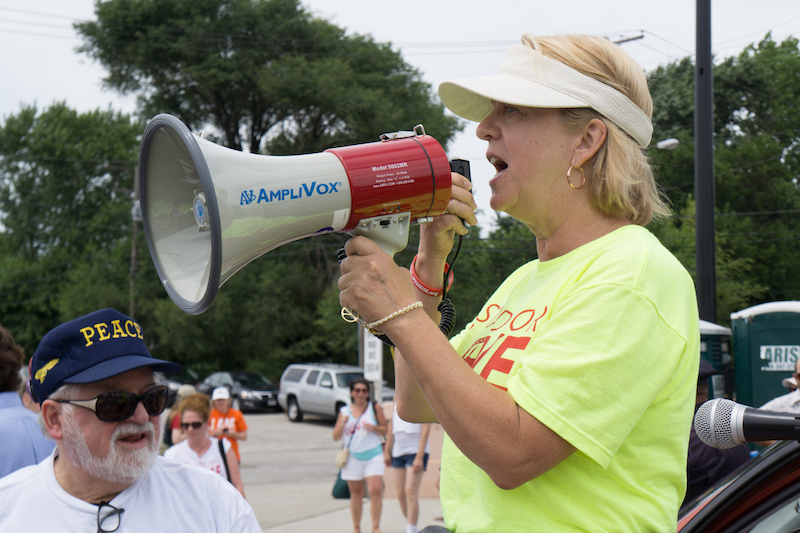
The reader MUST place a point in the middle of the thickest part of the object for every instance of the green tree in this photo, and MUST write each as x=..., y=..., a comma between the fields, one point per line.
x=265, y=73
x=736, y=288
x=756, y=153
x=65, y=182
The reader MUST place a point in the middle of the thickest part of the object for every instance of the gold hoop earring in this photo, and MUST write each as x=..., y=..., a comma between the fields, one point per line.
x=583, y=177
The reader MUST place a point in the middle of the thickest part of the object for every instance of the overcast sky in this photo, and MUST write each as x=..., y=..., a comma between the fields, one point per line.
x=445, y=39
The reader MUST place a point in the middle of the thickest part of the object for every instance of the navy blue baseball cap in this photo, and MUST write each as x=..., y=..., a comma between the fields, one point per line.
x=91, y=348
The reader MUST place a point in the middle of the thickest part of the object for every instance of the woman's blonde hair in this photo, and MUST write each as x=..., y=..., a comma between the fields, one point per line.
x=619, y=174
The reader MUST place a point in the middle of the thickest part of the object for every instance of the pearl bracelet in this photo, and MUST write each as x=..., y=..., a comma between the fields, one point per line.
x=372, y=325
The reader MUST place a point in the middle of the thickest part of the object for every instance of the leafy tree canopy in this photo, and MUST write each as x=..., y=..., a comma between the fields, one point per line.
x=756, y=152
x=265, y=73
x=65, y=185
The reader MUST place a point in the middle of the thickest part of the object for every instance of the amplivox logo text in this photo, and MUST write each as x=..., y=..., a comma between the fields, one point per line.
x=304, y=190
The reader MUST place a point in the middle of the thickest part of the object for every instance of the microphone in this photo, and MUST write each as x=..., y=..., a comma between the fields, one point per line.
x=722, y=424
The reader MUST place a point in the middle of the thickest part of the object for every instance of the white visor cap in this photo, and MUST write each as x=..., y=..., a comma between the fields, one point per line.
x=529, y=79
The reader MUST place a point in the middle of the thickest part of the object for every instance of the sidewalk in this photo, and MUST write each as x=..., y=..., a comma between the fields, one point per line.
x=308, y=507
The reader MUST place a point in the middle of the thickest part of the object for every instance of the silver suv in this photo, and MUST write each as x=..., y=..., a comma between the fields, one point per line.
x=319, y=389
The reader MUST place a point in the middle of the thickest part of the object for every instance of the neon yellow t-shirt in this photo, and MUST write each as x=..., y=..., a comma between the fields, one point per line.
x=602, y=346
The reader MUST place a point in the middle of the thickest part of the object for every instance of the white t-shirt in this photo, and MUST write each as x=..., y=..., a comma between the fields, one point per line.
x=788, y=403
x=210, y=460
x=406, y=436
x=356, y=437
x=171, y=497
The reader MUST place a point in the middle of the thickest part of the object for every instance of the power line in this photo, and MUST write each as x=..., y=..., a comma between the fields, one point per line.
x=433, y=47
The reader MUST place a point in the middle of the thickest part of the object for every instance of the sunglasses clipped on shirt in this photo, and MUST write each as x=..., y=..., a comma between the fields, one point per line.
x=120, y=405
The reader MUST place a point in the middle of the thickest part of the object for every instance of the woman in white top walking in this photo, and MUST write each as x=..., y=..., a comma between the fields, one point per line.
x=363, y=428
x=201, y=450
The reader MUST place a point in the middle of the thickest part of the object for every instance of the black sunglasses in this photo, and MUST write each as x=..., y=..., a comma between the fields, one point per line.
x=193, y=425
x=119, y=405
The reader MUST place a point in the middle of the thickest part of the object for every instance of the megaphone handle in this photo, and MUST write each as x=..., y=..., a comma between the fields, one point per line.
x=390, y=232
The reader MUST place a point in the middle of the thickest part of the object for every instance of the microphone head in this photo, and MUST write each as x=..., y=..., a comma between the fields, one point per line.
x=715, y=423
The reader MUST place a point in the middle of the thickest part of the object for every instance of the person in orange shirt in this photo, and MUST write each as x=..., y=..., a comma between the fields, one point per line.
x=225, y=421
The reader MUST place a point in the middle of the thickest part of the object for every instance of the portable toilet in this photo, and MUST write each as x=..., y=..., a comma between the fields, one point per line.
x=715, y=348
x=766, y=345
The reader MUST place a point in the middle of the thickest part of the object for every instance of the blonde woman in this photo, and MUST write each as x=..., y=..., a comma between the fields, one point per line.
x=567, y=401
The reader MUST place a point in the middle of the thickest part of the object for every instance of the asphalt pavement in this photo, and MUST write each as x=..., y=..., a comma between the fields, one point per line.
x=288, y=472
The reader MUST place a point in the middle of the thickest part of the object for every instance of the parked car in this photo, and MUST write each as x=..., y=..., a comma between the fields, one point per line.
x=762, y=496
x=319, y=389
x=250, y=391
x=174, y=380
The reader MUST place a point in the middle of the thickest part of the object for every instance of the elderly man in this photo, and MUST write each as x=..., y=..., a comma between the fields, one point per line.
x=100, y=402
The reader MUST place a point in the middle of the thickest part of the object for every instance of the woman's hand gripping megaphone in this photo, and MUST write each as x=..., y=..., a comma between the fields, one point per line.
x=376, y=291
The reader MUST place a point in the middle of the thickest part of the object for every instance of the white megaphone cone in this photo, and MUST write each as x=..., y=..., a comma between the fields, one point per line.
x=208, y=210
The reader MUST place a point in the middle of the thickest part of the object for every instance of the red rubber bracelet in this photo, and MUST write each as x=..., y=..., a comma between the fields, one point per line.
x=430, y=291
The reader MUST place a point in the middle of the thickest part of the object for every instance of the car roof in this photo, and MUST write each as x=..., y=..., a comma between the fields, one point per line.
x=327, y=366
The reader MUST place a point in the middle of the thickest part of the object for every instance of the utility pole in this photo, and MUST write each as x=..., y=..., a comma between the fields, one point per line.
x=704, y=166
x=136, y=217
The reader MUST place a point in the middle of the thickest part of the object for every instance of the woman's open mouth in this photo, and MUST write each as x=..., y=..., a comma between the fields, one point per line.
x=498, y=164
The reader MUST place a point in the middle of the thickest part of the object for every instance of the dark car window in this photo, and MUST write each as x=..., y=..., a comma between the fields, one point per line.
x=253, y=381
x=343, y=379
x=312, y=377
x=187, y=375
x=294, y=374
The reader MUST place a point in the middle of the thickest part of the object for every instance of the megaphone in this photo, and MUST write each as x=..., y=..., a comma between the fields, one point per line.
x=208, y=210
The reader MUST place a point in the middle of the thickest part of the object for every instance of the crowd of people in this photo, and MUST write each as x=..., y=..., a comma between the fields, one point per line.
x=94, y=450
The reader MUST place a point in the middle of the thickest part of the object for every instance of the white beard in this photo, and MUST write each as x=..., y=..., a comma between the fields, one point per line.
x=121, y=465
